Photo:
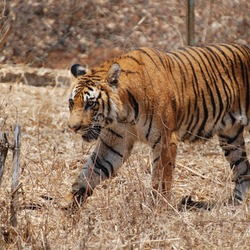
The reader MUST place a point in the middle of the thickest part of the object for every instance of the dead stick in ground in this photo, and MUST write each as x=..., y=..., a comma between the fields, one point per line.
x=15, y=176
x=4, y=145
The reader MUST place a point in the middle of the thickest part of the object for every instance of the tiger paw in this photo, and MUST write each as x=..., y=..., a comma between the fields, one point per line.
x=188, y=204
x=66, y=201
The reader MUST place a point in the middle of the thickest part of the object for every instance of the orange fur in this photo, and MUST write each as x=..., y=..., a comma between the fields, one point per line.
x=152, y=97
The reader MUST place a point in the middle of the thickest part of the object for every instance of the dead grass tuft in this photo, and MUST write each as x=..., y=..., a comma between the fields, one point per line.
x=122, y=213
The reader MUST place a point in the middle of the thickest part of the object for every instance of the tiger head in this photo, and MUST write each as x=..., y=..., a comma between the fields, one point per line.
x=94, y=101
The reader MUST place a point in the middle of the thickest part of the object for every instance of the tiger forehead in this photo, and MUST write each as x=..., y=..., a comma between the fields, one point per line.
x=87, y=85
x=86, y=92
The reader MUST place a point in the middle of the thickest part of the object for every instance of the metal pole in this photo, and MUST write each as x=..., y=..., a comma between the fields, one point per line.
x=190, y=22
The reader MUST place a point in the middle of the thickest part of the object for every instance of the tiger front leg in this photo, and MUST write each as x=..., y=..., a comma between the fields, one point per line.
x=112, y=150
x=93, y=172
x=164, y=155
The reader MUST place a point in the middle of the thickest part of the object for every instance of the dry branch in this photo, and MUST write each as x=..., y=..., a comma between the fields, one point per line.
x=15, y=176
x=5, y=32
x=6, y=20
x=3, y=152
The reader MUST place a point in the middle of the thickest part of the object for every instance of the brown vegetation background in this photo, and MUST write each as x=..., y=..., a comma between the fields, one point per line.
x=55, y=33
x=122, y=213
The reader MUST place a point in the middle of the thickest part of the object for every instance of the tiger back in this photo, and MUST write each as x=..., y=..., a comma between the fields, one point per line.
x=160, y=98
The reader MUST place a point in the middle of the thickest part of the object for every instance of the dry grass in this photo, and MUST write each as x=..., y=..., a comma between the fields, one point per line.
x=122, y=213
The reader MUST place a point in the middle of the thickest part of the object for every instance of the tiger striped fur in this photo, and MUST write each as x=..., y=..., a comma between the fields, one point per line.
x=153, y=97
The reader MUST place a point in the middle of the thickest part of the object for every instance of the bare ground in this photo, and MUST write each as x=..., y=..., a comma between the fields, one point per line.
x=122, y=213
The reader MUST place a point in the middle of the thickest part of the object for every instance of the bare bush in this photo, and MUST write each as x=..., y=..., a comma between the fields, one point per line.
x=57, y=33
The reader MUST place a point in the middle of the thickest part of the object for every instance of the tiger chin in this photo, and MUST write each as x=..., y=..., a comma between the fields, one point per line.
x=159, y=99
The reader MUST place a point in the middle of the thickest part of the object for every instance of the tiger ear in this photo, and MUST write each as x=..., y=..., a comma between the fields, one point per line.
x=114, y=74
x=78, y=70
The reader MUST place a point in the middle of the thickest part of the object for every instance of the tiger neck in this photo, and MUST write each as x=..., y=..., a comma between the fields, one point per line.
x=130, y=108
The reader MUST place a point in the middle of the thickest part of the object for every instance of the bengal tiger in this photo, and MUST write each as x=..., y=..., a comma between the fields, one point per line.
x=158, y=98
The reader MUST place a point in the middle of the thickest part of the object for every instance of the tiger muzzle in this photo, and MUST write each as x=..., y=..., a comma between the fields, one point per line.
x=75, y=128
x=92, y=134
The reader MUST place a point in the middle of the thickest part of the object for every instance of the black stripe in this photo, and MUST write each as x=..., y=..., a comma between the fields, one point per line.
x=111, y=148
x=234, y=52
x=208, y=87
x=156, y=159
x=150, y=124
x=192, y=117
x=110, y=165
x=244, y=50
x=227, y=150
x=90, y=88
x=127, y=72
x=247, y=90
x=114, y=132
x=195, y=82
x=186, y=114
x=100, y=70
x=242, y=66
x=225, y=67
x=231, y=75
x=175, y=57
x=236, y=196
x=146, y=53
x=157, y=141
x=158, y=53
x=195, y=120
x=245, y=81
x=173, y=75
x=190, y=121
x=214, y=79
x=205, y=112
x=169, y=62
x=108, y=104
x=244, y=154
x=103, y=106
x=98, y=164
x=134, y=105
x=233, y=119
x=134, y=59
x=100, y=95
x=220, y=49
x=227, y=90
x=184, y=81
x=236, y=163
x=230, y=140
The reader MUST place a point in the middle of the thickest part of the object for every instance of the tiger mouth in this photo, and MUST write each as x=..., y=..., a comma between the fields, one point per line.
x=92, y=134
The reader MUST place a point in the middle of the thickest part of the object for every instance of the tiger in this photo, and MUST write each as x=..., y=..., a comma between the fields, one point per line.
x=160, y=99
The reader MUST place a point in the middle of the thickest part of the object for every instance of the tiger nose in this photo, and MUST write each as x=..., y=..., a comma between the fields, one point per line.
x=75, y=127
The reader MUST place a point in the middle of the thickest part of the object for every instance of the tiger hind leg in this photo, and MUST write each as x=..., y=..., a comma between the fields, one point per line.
x=163, y=163
x=233, y=144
